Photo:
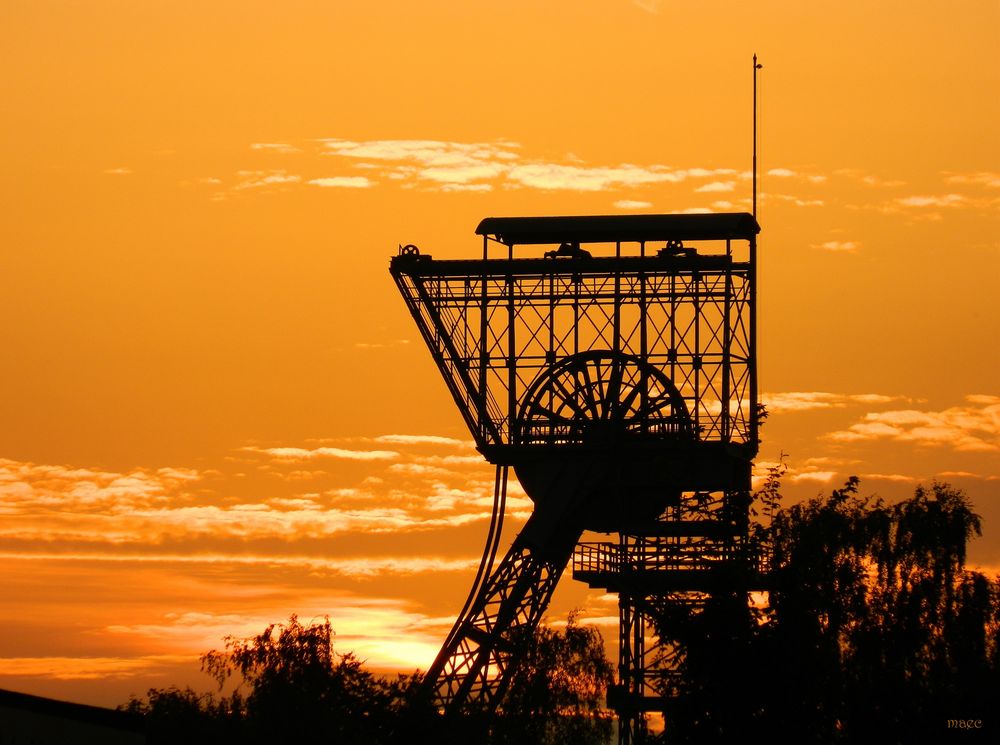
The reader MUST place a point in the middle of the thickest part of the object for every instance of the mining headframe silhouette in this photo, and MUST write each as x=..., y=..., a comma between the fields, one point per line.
x=611, y=362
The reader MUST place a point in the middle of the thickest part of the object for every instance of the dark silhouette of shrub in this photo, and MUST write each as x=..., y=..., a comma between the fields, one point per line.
x=298, y=689
x=874, y=632
x=557, y=693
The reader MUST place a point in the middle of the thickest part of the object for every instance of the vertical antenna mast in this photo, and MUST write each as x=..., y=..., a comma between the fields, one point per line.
x=756, y=67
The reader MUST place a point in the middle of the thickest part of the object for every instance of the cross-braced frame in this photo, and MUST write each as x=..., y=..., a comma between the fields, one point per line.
x=494, y=325
x=621, y=387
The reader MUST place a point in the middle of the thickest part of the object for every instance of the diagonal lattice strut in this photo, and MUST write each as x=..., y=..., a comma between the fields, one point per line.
x=477, y=660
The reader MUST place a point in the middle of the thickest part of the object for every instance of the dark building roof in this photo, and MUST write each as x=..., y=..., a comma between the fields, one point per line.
x=626, y=228
x=69, y=711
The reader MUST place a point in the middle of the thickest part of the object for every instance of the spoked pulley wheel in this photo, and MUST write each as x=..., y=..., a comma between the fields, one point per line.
x=601, y=398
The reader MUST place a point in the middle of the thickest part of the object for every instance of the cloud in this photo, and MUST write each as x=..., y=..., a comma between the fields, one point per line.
x=293, y=503
x=843, y=246
x=632, y=204
x=453, y=166
x=275, y=147
x=86, y=668
x=813, y=400
x=118, y=171
x=437, y=153
x=710, y=172
x=868, y=179
x=876, y=181
x=381, y=344
x=419, y=469
x=23, y=485
x=716, y=186
x=450, y=460
x=811, y=470
x=650, y=6
x=797, y=201
x=985, y=399
x=761, y=467
x=359, y=566
x=463, y=174
x=294, y=453
x=479, y=166
x=154, y=526
x=441, y=483
x=971, y=428
x=553, y=176
x=967, y=475
x=981, y=178
x=929, y=206
x=898, y=477
x=822, y=477
x=467, y=187
x=789, y=173
x=821, y=470
x=423, y=440
x=944, y=200
x=259, y=179
x=346, y=182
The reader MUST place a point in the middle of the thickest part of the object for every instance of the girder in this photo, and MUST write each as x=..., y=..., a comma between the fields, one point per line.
x=695, y=553
x=494, y=325
x=622, y=389
x=474, y=662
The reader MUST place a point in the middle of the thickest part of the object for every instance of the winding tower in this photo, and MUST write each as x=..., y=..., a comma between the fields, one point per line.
x=611, y=363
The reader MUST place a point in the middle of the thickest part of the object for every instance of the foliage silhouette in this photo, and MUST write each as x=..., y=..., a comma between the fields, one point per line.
x=874, y=630
x=175, y=715
x=300, y=690
x=556, y=695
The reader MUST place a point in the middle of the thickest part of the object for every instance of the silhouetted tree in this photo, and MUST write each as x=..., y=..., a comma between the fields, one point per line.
x=300, y=690
x=557, y=693
x=175, y=715
x=875, y=631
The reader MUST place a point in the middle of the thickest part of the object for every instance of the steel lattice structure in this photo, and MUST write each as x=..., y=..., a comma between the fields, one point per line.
x=620, y=384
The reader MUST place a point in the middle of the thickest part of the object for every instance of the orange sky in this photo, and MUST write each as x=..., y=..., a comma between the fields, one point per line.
x=216, y=410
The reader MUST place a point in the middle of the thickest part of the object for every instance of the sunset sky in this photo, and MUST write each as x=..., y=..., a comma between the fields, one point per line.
x=215, y=410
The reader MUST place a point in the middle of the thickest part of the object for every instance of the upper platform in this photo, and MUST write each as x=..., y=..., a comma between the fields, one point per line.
x=625, y=228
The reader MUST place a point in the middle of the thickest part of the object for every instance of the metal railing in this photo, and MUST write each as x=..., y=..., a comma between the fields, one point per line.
x=662, y=556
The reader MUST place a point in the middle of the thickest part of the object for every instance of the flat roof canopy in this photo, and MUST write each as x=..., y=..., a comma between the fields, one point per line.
x=626, y=228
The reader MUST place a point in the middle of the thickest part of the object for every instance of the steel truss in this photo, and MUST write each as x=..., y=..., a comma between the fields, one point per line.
x=624, y=378
x=473, y=663
x=493, y=326
x=694, y=553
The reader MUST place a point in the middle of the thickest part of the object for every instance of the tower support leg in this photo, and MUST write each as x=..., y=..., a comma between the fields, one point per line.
x=477, y=660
